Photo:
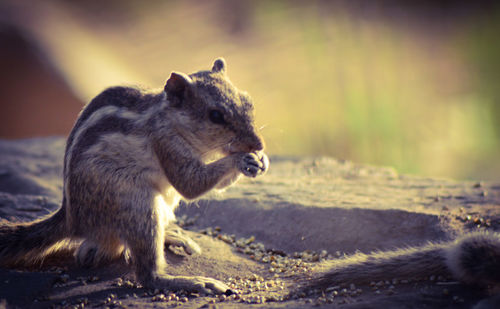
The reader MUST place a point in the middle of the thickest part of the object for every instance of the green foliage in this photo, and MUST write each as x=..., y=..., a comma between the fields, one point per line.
x=332, y=81
x=371, y=93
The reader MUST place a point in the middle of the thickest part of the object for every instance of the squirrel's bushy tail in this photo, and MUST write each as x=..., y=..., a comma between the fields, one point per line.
x=24, y=244
x=473, y=258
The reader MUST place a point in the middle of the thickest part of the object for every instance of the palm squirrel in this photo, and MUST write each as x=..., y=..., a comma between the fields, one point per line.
x=130, y=158
x=132, y=155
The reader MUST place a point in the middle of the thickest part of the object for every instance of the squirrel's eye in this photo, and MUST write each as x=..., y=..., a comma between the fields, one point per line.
x=216, y=117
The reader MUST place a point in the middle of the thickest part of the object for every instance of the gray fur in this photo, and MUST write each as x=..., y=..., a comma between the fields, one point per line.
x=131, y=156
x=473, y=258
x=20, y=243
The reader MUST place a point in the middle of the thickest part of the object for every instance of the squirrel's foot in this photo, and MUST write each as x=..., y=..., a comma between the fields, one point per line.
x=254, y=164
x=174, y=237
x=193, y=284
x=85, y=255
x=90, y=254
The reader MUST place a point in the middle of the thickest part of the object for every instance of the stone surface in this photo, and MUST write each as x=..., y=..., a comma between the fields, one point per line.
x=302, y=204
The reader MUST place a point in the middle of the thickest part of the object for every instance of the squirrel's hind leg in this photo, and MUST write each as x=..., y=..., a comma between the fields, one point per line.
x=146, y=238
x=94, y=253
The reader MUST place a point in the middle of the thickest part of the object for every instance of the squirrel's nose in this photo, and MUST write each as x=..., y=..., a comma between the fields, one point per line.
x=256, y=143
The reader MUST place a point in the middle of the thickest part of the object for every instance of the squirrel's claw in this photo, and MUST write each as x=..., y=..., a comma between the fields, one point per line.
x=254, y=164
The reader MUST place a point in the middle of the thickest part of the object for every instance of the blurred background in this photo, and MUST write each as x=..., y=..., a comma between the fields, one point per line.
x=409, y=84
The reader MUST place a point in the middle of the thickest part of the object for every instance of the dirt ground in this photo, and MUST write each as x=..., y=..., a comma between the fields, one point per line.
x=261, y=236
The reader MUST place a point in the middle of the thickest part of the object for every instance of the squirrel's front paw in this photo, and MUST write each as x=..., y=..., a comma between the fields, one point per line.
x=254, y=164
x=175, y=237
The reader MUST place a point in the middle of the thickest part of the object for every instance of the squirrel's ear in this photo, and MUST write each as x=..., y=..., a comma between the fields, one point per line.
x=176, y=85
x=178, y=82
x=219, y=66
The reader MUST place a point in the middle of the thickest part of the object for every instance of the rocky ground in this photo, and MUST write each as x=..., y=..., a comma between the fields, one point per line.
x=260, y=236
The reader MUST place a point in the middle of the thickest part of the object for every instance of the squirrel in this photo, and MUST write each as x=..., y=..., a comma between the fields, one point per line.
x=131, y=156
x=134, y=154
x=473, y=258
